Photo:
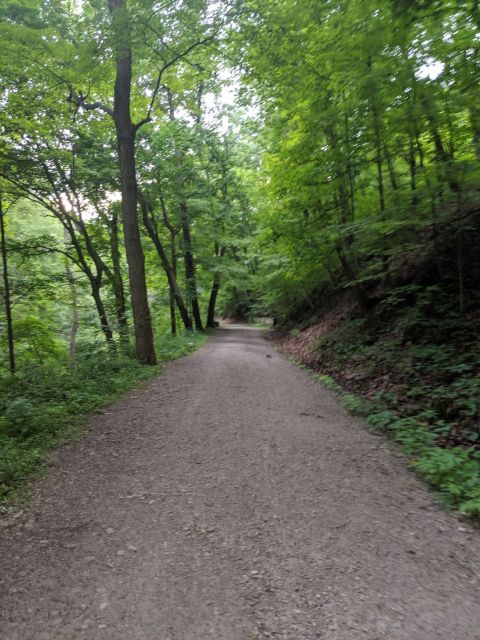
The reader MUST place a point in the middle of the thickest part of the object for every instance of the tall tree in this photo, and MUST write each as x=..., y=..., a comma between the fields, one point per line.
x=126, y=134
x=188, y=252
x=6, y=288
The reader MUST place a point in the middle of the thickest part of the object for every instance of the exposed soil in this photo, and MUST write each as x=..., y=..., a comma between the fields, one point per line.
x=232, y=498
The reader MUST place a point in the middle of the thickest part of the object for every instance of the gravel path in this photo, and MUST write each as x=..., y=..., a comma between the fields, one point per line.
x=232, y=498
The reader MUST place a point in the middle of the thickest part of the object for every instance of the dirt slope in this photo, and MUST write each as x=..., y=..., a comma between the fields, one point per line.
x=233, y=499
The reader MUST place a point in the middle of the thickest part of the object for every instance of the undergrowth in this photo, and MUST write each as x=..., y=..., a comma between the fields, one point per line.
x=412, y=369
x=43, y=405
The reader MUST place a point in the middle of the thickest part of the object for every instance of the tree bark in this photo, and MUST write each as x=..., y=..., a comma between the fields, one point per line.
x=117, y=281
x=189, y=259
x=167, y=267
x=102, y=314
x=475, y=124
x=173, y=257
x=75, y=319
x=378, y=162
x=444, y=158
x=412, y=164
x=213, y=301
x=349, y=271
x=6, y=285
x=95, y=279
x=126, y=137
x=215, y=289
x=190, y=274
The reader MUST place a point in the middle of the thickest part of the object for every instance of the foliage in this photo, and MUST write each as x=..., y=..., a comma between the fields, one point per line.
x=371, y=142
x=456, y=472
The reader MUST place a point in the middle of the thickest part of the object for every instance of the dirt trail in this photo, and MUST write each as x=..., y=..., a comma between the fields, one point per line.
x=232, y=499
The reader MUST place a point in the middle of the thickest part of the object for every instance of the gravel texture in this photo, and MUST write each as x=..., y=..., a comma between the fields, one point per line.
x=232, y=498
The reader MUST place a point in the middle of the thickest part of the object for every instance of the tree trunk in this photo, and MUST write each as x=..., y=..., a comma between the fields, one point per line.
x=167, y=267
x=475, y=123
x=95, y=280
x=213, y=301
x=412, y=163
x=117, y=281
x=6, y=285
x=393, y=175
x=460, y=271
x=174, y=259
x=215, y=289
x=350, y=168
x=349, y=272
x=102, y=314
x=126, y=134
x=378, y=162
x=173, y=254
x=75, y=319
x=190, y=274
x=443, y=157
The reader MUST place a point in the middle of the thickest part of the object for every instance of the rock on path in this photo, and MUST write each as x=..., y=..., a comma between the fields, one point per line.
x=232, y=498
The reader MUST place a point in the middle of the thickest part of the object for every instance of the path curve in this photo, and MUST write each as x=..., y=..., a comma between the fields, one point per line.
x=232, y=498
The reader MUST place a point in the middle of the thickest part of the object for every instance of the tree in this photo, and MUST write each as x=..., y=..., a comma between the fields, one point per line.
x=126, y=134
x=364, y=142
x=6, y=288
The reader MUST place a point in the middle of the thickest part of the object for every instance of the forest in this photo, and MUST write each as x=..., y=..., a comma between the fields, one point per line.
x=165, y=164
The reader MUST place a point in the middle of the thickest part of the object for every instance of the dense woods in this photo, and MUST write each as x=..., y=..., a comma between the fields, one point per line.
x=317, y=162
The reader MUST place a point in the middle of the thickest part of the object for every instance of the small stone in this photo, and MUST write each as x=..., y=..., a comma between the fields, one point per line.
x=121, y=552
x=103, y=606
x=109, y=530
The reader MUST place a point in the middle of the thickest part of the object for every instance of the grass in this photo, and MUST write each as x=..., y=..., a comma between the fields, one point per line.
x=44, y=405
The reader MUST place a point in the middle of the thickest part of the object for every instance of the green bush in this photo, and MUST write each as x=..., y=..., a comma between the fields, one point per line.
x=456, y=473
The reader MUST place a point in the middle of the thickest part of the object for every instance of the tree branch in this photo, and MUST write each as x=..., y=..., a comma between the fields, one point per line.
x=166, y=66
x=80, y=100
